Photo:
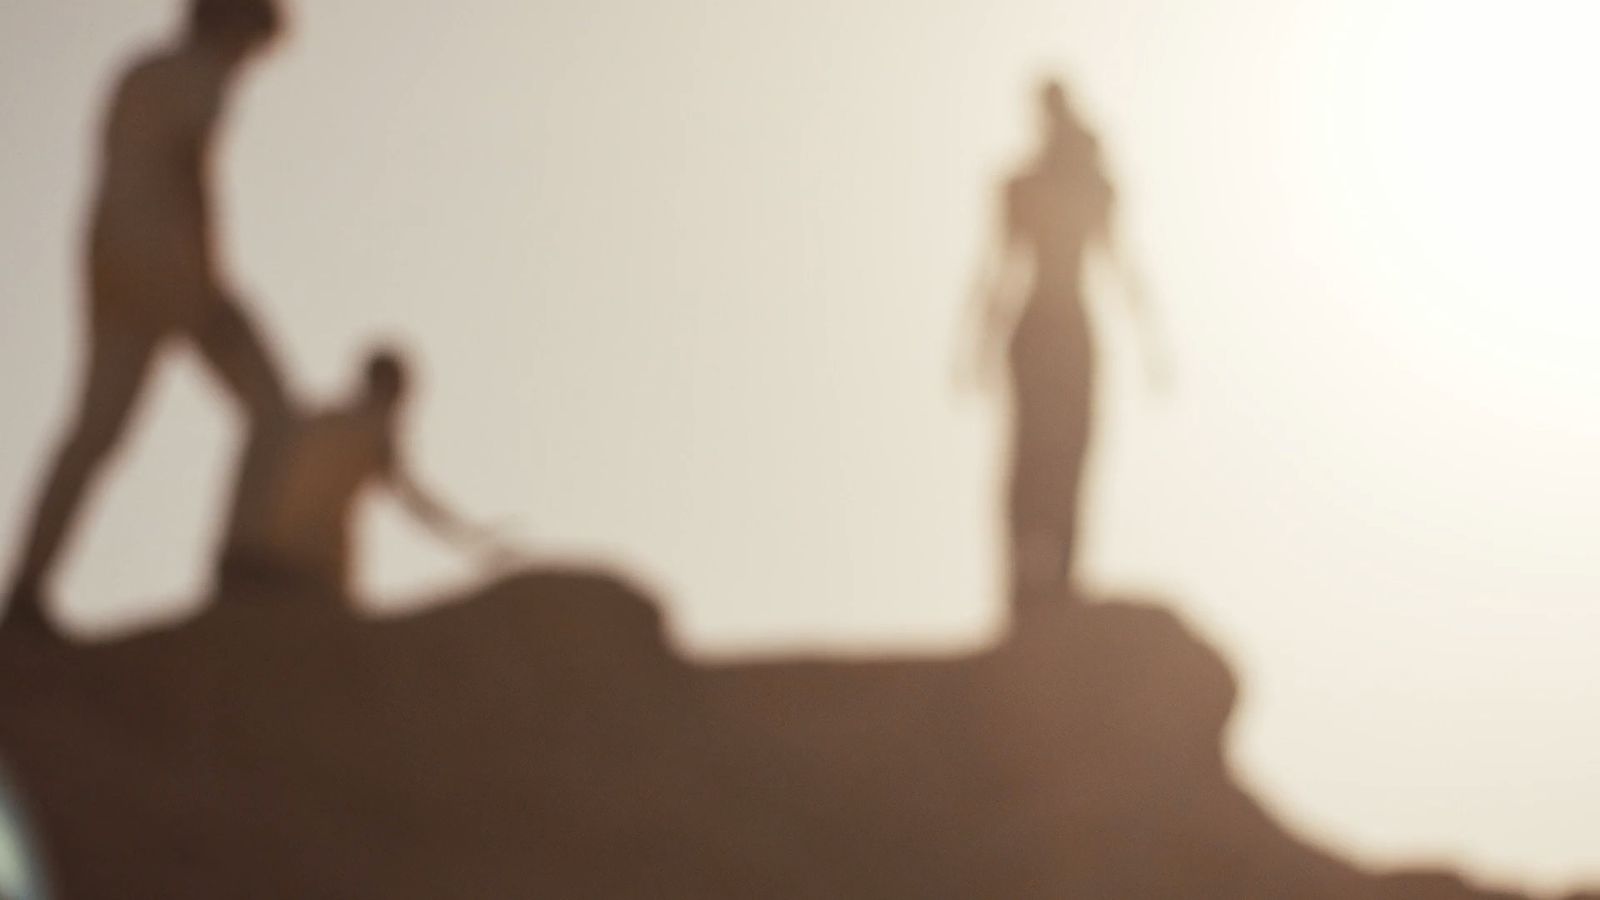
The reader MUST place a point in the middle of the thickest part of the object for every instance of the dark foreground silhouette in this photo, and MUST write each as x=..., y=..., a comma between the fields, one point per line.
x=540, y=739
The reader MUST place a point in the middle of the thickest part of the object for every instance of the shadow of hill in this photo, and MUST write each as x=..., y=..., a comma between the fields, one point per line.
x=538, y=739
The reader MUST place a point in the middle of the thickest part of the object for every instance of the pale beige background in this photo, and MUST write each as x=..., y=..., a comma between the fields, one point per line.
x=686, y=278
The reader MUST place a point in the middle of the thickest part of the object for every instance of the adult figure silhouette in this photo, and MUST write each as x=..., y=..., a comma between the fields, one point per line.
x=1052, y=213
x=291, y=525
x=153, y=273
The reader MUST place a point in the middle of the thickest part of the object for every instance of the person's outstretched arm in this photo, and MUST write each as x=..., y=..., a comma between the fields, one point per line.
x=446, y=523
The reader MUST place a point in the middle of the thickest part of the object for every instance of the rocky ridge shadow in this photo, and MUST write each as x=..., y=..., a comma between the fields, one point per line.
x=539, y=738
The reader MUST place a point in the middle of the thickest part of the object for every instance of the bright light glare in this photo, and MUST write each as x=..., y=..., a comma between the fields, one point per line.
x=1471, y=166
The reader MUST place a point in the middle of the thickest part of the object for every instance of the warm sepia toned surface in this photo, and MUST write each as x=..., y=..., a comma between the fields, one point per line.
x=537, y=737
x=686, y=282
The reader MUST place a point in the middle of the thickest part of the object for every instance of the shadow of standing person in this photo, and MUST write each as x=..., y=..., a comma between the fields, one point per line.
x=1031, y=303
x=153, y=274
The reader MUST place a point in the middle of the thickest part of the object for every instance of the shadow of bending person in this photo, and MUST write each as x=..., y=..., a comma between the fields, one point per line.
x=153, y=272
x=1031, y=304
x=291, y=526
